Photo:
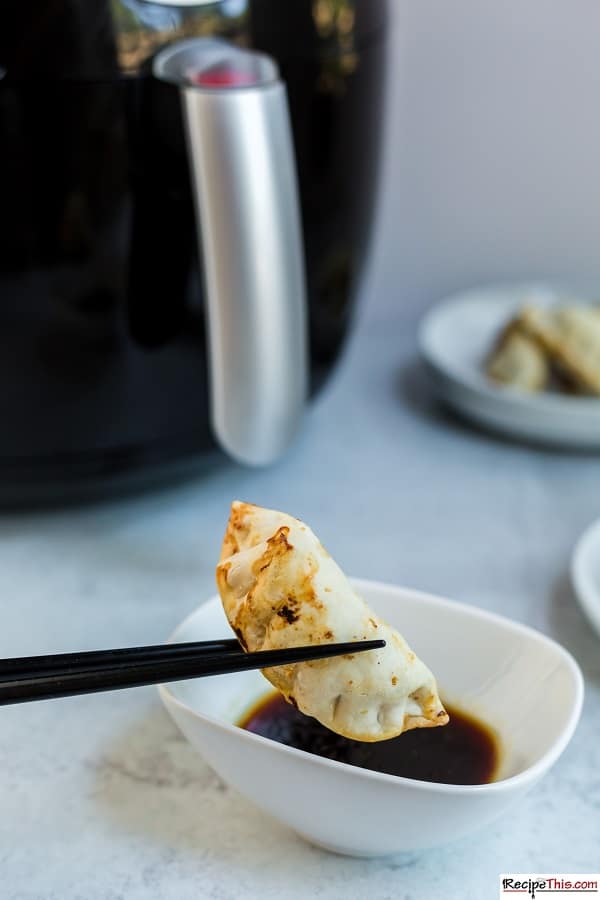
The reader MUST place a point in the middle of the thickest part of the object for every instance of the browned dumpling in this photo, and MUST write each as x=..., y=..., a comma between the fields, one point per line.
x=280, y=588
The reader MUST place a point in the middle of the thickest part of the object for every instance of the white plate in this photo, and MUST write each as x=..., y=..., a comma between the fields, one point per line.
x=585, y=573
x=455, y=338
x=505, y=673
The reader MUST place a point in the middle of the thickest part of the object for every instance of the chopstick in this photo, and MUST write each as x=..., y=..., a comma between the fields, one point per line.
x=65, y=662
x=31, y=679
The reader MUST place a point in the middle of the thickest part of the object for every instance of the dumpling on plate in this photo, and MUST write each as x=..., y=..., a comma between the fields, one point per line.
x=518, y=360
x=571, y=337
x=280, y=588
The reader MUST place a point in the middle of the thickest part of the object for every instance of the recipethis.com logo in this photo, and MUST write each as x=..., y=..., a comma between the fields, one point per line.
x=556, y=886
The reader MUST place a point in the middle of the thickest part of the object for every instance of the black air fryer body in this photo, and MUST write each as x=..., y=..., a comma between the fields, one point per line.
x=102, y=334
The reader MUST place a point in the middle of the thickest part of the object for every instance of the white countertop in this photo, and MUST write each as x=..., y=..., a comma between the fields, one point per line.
x=102, y=799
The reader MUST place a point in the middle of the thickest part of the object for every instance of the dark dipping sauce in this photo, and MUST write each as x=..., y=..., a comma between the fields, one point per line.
x=465, y=751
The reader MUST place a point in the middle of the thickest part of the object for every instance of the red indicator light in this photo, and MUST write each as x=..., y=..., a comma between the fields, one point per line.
x=221, y=76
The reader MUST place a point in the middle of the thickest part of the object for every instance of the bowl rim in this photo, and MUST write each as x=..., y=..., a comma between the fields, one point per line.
x=528, y=775
x=581, y=578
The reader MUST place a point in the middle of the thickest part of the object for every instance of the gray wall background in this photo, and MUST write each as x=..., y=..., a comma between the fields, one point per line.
x=492, y=154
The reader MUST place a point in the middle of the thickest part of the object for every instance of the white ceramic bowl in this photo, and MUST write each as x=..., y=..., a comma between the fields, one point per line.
x=527, y=687
x=585, y=573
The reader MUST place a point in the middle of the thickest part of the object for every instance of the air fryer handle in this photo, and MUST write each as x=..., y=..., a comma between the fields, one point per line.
x=248, y=222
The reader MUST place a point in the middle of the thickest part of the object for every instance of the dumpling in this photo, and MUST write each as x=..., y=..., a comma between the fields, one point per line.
x=518, y=360
x=571, y=337
x=280, y=588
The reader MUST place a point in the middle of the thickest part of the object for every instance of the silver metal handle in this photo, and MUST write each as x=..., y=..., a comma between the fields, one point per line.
x=248, y=222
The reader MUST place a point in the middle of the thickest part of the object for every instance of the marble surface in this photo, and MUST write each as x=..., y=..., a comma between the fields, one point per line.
x=102, y=799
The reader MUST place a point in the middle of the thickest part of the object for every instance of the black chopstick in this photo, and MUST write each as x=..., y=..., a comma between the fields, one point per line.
x=38, y=684
x=92, y=659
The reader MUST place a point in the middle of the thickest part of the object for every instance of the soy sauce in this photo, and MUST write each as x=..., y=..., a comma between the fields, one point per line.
x=465, y=751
